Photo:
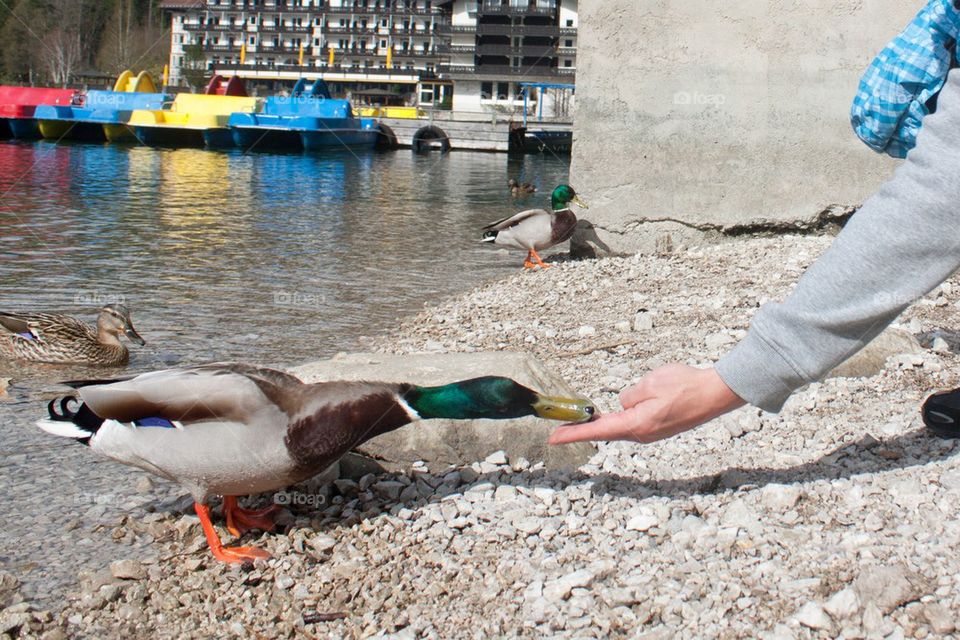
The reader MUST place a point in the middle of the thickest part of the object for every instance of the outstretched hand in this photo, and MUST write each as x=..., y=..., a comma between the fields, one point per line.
x=667, y=401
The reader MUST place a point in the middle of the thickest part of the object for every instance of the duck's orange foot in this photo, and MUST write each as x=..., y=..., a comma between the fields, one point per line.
x=239, y=521
x=239, y=554
x=220, y=552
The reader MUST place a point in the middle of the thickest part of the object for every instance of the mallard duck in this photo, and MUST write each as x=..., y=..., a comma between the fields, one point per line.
x=519, y=189
x=46, y=337
x=537, y=229
x=234, y=429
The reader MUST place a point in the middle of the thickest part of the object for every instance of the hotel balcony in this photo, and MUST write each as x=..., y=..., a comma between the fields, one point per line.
x=456, y=48
x=284, y=28
x=188, y=26
x=497, y=9
x=547, y=31
x=504, y=71
x=526, y=50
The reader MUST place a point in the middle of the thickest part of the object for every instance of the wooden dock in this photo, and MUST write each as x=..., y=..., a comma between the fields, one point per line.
x=470, y=132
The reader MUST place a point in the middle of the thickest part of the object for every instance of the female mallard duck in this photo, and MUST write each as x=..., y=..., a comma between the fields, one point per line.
x=537, y=229
x=234, y=429
x=45, y=337
x=519, y=189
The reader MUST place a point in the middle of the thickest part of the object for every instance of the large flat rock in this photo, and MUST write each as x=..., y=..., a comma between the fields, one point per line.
x=457, y=442
x=871, y=360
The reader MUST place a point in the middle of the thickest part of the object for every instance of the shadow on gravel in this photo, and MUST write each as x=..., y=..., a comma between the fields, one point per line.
x=866, y=455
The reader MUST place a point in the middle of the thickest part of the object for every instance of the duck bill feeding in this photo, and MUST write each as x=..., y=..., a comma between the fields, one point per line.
x=564, y=409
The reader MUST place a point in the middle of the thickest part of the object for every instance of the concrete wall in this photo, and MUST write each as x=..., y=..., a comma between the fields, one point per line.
x=722, y=114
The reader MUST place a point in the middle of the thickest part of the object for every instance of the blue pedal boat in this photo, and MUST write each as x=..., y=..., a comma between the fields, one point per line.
x=306, y=119
x=101, y=116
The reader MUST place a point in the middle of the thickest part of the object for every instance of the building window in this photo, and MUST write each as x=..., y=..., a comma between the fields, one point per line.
x=568, y=43
x=569, y=23
x=383, y=23
x=486, y=90
x=253, y=40
x=383, y=44
x=568, y=63
x=503, y=90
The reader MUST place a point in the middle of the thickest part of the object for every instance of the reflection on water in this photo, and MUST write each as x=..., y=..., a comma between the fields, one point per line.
x=268, y=258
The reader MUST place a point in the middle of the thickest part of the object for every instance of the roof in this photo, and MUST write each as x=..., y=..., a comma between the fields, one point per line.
x=168, y=5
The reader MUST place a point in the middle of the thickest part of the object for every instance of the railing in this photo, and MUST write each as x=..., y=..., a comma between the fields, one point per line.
x=188, y=26
x=525, y=50
x=456, y=48
x=515, y=10
x=268, y=48
x=386, y=9
x=222, y=48
x=447, y=29
x=285, y=28
x=322, y=67
x=506, y=71
x=550, y=31
x=368, y=30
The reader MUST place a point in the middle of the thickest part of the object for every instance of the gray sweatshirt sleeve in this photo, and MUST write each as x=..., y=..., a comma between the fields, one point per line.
x=901, y=244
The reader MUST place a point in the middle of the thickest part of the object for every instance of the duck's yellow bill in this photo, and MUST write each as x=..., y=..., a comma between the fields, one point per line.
x=564, y=409
x=580, y=203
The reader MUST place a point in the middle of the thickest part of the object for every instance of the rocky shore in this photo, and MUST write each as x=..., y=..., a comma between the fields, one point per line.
x=834, y=518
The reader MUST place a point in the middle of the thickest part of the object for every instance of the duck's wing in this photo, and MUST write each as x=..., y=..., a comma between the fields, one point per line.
x=15, y=324
x=41, y=325
x=516, y=218
x=222, y=392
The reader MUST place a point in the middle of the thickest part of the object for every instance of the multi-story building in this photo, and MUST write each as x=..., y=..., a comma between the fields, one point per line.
x=467, y=54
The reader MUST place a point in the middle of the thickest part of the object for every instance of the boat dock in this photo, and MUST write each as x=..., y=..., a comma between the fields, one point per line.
x=444, y=131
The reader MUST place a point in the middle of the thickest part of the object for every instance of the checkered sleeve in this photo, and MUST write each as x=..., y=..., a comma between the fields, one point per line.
x=891, y=99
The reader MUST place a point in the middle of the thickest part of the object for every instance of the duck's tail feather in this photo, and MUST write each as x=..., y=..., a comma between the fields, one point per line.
x=489, y=236
x=80, y=424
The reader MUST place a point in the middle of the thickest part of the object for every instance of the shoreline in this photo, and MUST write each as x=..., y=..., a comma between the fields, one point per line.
x=829, y=518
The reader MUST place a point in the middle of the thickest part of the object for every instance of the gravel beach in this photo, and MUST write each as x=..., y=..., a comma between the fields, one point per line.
x=835, y=518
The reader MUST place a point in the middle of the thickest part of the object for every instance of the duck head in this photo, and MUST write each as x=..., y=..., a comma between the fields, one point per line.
x=496, y=398
x=115, y=320
x=563, y=195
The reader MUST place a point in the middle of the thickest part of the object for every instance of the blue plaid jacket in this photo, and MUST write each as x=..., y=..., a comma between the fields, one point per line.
x=891, y=100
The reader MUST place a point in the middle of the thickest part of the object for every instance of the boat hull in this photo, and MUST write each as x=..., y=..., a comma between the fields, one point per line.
x=24, y=128
x=252, y=138
x=219, y=138
x=118, y=133
x=72, y=130
x=169, y=136
x=327, y=140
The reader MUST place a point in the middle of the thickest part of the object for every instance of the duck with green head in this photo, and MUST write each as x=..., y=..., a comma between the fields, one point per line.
x=537, y=229
x=232, y=429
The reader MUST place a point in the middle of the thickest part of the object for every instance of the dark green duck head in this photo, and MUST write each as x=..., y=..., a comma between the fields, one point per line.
x=494, y=398
x=115, y=320
x=563, y=195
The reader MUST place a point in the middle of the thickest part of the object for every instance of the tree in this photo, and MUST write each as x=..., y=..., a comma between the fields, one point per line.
x=194, y=65
x=133, y=39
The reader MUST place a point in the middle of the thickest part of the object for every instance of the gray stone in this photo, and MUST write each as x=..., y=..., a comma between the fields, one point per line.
x=813, y=616
x=843, y=604
x=871, y=360
x=779, y=497
x=940, y=618
x=127, y=570
x=950, y=479
x=887, y=587
x=448, y=442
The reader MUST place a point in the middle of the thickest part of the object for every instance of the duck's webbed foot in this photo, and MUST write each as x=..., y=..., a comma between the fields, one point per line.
x=239, y=521
x=220, y=552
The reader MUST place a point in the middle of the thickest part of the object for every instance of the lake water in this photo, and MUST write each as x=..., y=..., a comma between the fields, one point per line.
x=273, y=259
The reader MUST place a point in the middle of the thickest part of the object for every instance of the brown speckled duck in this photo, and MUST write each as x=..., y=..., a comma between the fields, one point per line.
x=234, y=429
x=537, y=229
x=520, y=189
x=60, y=339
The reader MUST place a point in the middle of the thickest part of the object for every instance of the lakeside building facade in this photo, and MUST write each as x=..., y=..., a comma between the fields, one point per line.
x=465, y=55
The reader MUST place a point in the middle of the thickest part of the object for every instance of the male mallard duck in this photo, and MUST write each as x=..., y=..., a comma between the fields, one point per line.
x=537, y=229
x=234, y=429
x=45, y=337
x=518, y=189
